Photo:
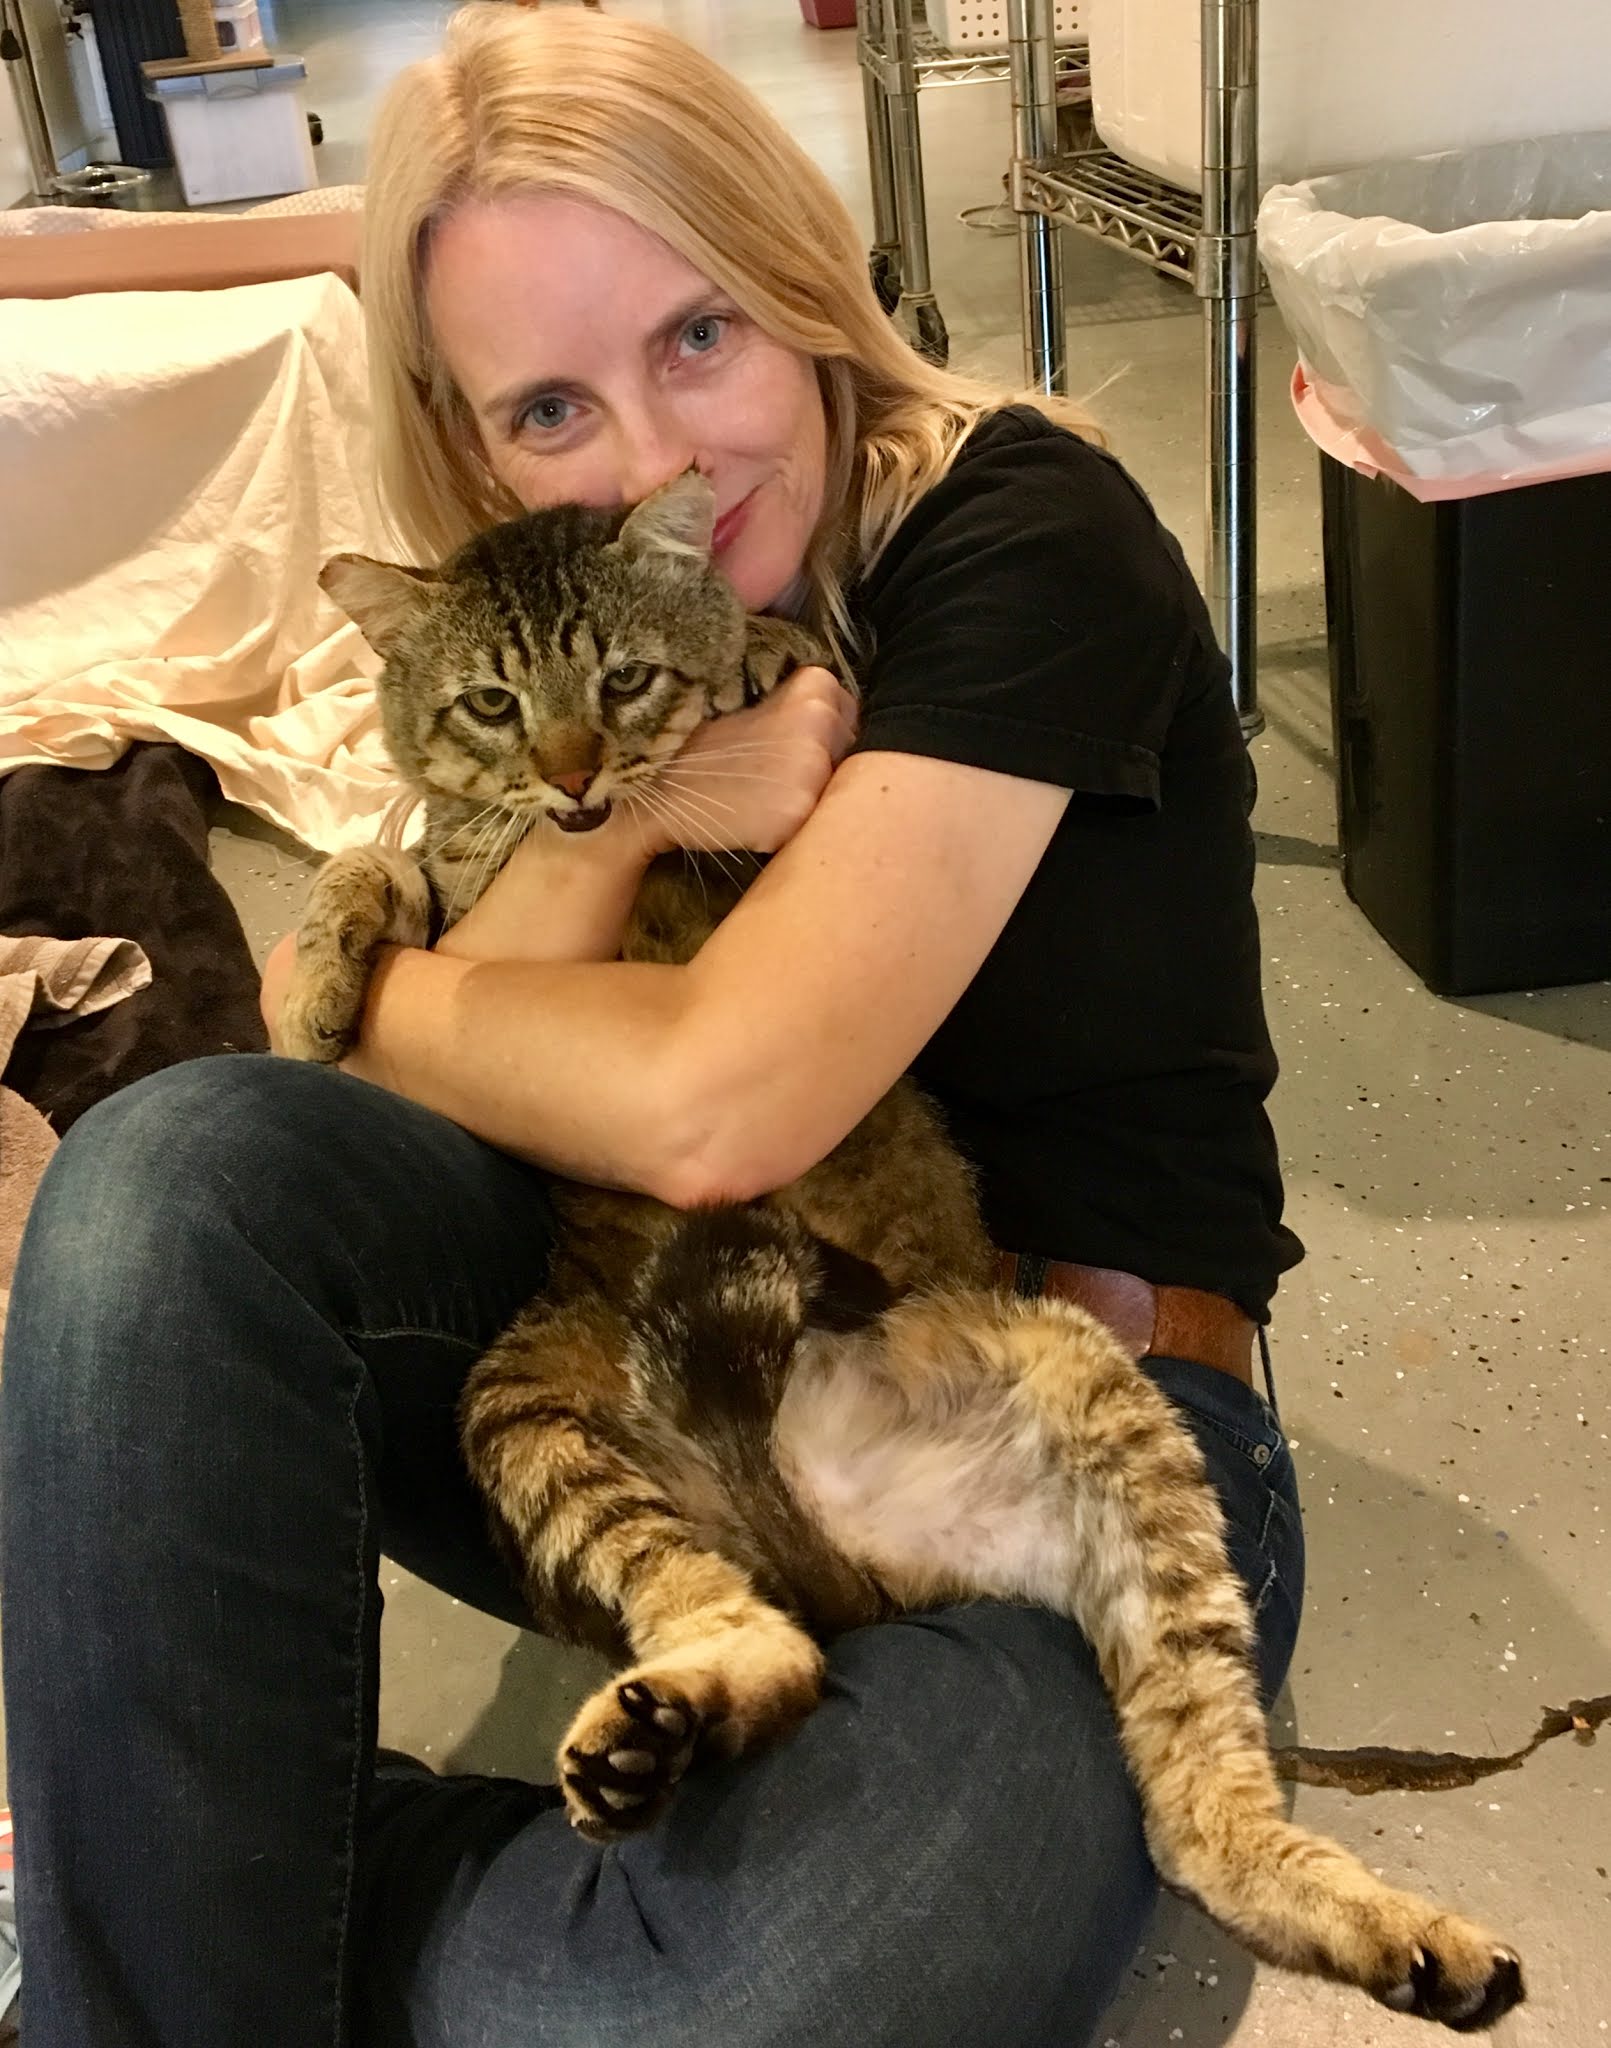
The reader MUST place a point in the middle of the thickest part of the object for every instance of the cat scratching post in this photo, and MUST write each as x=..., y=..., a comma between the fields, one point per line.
x=201, y=31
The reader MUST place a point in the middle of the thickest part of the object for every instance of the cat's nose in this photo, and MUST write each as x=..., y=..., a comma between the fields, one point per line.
x=577, y=783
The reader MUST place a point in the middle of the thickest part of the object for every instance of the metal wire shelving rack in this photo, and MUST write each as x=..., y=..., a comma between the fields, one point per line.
x=900, y=56
x=1212, y=245
x=1209, y=244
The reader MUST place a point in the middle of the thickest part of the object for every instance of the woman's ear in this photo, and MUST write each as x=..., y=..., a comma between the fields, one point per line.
x=679, y=519
x=379, y=597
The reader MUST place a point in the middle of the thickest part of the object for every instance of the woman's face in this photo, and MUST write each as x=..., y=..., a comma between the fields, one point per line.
x=599, y=365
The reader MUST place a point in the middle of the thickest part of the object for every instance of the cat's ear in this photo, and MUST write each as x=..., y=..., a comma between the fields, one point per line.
x=677, y=520
x=379, y=597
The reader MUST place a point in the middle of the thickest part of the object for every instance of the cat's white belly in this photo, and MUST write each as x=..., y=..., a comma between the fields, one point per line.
x=965, y=1497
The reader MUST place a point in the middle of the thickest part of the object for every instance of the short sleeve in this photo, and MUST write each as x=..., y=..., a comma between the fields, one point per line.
x=1031, y=616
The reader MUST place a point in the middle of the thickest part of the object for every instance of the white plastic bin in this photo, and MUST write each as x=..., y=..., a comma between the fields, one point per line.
x=982, y=24
x=1346, y=83
x=239, y=134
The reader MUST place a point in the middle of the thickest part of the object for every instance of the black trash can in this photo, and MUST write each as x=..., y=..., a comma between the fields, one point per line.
x=129, y=33
x=1471, y=705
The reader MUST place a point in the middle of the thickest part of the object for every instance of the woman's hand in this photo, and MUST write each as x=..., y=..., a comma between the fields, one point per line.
x=749, y=781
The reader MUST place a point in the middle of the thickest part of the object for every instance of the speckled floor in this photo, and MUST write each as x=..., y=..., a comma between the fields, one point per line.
x=1442, y=1353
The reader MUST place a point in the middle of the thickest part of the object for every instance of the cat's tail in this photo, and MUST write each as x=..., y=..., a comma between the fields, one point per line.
x=724, y=1301
x=715, y=1329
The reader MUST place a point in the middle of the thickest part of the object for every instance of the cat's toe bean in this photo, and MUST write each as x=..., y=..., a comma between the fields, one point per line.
x=623, y=1802
x=634, y=1762
x=644, y=1705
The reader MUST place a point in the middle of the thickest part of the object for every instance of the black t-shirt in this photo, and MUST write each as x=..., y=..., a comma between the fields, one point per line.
x=1107, y=1068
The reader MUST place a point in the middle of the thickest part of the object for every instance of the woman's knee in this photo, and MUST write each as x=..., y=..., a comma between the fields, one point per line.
x=948, y=1852
x=141, y=1216
x=1017, y=1880
x=161, y=1166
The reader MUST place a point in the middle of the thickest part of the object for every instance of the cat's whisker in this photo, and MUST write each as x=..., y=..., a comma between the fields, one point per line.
x=487, y=822
x=732, y=750
x=699, y=799
x=499, y=851
x=688, y=826
x=695, y=811
x=727, y=775
x=488, y=854
x=664, y=806
x=470, y=825
x=629, y=804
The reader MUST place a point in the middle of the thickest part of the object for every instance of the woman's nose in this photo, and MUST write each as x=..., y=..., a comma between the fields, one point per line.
x=653, y=452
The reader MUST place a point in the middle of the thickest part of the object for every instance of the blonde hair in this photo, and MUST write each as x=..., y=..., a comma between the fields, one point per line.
x=633, y=118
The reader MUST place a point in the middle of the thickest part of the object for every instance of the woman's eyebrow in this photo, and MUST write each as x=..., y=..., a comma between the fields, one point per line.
x=513, y=401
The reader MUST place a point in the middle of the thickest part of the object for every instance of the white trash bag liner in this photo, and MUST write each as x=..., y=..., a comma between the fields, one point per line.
x=1453, y=313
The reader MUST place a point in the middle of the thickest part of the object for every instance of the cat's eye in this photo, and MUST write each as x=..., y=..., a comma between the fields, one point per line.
x=631, y=679
x=494, y=706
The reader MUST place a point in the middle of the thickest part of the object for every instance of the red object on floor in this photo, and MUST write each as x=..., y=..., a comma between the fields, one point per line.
x=829, y=13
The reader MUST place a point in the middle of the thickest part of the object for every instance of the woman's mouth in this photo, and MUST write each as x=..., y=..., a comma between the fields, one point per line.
x=731, y=524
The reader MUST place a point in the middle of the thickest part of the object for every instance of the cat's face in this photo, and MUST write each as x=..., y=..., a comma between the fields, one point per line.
x=556, y=663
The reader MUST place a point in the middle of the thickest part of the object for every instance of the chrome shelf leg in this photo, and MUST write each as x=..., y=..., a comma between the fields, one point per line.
x=1032, y=55
x=1227, y=281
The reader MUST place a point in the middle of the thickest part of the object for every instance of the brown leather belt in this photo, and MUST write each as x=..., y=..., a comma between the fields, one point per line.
x=1172, y=1322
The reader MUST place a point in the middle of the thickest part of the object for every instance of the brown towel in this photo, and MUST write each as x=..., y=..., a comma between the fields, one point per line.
x=124, y=849
x=49, y=982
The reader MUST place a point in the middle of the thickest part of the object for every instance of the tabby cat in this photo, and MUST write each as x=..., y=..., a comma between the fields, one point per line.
x=721, y=1436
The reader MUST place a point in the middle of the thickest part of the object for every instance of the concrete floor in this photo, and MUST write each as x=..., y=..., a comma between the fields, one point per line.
x=1442, y=1352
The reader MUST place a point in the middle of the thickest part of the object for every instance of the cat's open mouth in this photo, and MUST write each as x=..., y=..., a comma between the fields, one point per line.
x=586, y=820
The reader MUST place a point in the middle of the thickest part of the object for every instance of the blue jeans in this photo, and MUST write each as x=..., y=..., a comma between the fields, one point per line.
x=248, y=1297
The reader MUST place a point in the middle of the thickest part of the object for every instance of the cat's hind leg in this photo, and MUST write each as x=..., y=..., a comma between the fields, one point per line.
x=1013, y=1449
x=619, y=1546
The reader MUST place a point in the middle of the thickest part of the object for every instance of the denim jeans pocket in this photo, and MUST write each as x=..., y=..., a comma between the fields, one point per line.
x=1250, y=1466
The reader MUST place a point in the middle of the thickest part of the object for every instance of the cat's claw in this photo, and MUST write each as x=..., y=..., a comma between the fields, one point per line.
x=1431, y=1992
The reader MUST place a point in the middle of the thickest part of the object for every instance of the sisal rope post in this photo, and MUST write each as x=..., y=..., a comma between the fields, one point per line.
x=201, y=31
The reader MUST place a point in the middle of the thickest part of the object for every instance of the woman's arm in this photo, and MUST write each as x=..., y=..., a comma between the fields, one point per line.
x=734, y=1074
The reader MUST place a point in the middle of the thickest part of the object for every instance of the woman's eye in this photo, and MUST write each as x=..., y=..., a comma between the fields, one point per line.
x=494, y=706
x=547, y=413
x=631, y=679
x=700, y=336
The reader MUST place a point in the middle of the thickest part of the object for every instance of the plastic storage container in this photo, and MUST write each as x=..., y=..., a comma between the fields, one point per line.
x=238, y=134
x=1347, y=84
x=239, y=26
x=982, y=24
x=1472, y=713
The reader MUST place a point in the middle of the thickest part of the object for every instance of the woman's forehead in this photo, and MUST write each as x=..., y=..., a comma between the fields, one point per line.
x=544, y=268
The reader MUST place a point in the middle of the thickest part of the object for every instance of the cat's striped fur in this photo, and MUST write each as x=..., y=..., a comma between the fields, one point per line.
x=720, y=1438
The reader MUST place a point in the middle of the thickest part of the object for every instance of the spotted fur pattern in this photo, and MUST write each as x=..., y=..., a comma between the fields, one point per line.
x=720, y=1439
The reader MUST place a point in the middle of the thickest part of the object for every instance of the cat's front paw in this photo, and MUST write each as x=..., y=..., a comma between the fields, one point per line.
x=626, y=1751
x=1457, y=1975
x=362, y=900
x=321, y=1013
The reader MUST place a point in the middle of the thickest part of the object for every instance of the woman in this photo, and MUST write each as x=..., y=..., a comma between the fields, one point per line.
x=251, y=1291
